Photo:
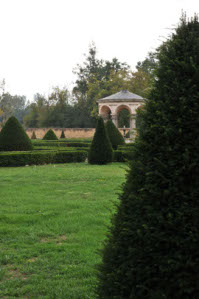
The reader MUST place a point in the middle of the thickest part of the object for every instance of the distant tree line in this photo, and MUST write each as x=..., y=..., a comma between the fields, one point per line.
x=96, y=79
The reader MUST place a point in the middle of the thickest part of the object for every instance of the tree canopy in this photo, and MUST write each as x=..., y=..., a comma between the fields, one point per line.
x=12, y=105
x=95, y=78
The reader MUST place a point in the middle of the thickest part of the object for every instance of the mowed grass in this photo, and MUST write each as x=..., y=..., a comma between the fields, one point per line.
x=53, y=220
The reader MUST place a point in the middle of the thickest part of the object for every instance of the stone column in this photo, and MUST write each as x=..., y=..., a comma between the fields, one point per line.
x=133, y=121
x=132, y=126
x=114, y=118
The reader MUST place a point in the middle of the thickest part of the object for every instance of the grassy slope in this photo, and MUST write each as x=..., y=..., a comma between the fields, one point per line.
x=52, y=222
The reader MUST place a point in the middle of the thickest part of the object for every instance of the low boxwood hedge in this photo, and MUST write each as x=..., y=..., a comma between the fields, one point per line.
x=41, y=157
x=76, y=140
x=121, y=156
x=127, y=146
x=60, y=144
x=61, y=148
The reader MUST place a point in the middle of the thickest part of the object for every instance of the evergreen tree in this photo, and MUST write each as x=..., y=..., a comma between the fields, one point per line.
x=33, y=135
x=100, y=150
x=50, y=135
x=152, y=248
x=114, y=134
x=13, y=137
x=62, y=134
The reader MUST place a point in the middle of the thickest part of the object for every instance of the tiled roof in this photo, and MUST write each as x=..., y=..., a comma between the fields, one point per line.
x=121, y=96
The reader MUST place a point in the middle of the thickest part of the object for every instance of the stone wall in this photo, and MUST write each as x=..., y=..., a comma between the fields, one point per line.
x=69, y=133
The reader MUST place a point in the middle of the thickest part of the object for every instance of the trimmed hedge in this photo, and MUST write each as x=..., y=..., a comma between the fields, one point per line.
x=100, y=150
x=13, y=137
x=114, y=135
x=39, y=158
x=62, y=135
x=33, y=135
x=66, y=140
x=122, y=156
x=61, y=148
x=61, y=144
x=151, y=251
x=50, y=135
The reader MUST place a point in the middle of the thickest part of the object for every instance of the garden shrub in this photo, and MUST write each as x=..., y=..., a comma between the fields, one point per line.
x=50, y=135
x=152, y=247
x=100, y=150
x=62, y=134
x=122, y=155
x=114, y=134
x=13, y=137
x=33, y=135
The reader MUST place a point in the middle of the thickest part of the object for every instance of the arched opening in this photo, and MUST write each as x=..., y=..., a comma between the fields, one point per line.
x=105, y=113
x=123, y=113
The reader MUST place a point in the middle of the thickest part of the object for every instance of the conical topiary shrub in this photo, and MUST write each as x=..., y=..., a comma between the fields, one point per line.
x=33, y=135
x=114, y=134
x=100, y=151
x=62, y=134
x=13, y=137
x=152, y=248
x=50, y=135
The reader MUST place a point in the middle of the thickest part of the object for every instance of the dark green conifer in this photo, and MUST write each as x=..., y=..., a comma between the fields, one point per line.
x=33, y=135
x=152, y=248
x=13, y=137
x=100, y=150
x=50, y=135
x=62, y=134
x=114, y=134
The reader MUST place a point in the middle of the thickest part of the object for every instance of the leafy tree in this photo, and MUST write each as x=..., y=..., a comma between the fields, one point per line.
x=57, y=111
x=149, y=64
x=50, y=135
x=13, y=137
x=60, y=108
x=114, y=134
x=100, y=150
x=92, y=76
x=152, y=248
x=12, y=105
x=38, y=113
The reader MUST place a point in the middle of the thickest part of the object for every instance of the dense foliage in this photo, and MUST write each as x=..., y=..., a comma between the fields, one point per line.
x=50, y=135
x=13, y=137
x=114, y=134
x=100, y=149
x=152, y=248
x=12, y=106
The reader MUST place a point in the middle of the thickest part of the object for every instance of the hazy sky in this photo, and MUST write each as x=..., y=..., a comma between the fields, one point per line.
x=43, y=40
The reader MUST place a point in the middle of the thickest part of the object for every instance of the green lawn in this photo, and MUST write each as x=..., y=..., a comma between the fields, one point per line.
x=53, y=220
